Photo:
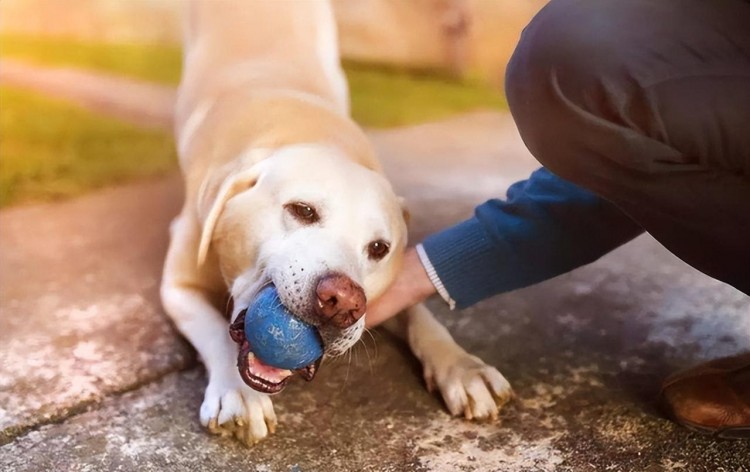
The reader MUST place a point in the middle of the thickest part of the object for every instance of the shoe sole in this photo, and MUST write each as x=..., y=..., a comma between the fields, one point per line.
x=732, y=432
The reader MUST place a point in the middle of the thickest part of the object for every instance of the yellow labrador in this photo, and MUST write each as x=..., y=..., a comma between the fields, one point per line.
x=282, y=187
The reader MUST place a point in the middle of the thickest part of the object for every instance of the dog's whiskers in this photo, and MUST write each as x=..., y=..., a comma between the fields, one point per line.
x=348, y=365
x=367, y=354
x=374, y=341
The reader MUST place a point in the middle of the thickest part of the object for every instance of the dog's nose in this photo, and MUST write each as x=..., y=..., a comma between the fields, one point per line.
x=340, y=301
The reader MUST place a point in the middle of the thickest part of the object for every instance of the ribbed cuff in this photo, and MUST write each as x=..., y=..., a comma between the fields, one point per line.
x=466, y=262
x=434, y=278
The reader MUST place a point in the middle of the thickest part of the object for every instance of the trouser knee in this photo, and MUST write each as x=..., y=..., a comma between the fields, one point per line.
x=557, y=77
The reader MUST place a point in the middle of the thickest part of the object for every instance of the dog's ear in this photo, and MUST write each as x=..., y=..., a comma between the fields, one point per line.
x=214, y=194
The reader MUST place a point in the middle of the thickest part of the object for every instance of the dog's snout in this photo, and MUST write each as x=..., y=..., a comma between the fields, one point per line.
x=340, y=300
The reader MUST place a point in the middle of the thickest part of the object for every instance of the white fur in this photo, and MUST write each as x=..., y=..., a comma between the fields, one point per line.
x=328, y=52
x=191, y=125
x=235, y=232
x=468, y=386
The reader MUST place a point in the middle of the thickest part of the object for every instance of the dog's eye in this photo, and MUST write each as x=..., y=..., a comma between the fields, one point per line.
x=303, y=212
x=378, y=249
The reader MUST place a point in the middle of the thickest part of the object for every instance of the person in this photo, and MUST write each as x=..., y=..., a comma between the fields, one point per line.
x=639, y=112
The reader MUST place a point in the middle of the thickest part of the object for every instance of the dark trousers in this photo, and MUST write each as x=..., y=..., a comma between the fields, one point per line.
x=647, y=104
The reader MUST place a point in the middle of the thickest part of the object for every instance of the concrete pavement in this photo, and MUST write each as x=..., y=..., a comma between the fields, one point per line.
x=94, y=377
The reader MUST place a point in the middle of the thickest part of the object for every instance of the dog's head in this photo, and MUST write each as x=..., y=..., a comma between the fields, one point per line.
x=328, y=232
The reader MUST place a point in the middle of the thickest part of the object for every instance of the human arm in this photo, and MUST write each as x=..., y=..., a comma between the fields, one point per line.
x=547, y=226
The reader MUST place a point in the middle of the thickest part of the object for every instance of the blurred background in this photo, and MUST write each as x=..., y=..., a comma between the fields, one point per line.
x=64, y=133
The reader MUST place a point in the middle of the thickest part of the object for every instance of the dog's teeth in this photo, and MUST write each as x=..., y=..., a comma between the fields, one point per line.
x=308, y=372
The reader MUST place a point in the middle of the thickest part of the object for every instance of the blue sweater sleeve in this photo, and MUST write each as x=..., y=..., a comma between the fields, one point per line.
x=546, y=227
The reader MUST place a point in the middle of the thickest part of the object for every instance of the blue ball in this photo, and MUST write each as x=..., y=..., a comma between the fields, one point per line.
x=277, y=337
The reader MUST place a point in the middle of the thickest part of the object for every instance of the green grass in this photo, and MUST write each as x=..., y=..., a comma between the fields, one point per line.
x=381, y=96
x=384, y=97
x=50, y=149
x=154, y=63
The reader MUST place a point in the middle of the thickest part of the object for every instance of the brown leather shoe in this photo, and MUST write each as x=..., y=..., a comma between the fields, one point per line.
x=711, y=398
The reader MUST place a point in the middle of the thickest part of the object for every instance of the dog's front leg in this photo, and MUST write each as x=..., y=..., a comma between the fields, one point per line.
x=229, y=407
x=468, y=386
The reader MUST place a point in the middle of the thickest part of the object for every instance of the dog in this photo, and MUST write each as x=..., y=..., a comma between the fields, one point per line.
x=283, y=188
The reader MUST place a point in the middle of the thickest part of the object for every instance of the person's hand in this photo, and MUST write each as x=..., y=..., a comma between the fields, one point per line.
x=411, y=286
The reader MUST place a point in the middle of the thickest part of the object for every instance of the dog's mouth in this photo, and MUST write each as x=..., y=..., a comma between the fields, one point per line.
x=258, y=375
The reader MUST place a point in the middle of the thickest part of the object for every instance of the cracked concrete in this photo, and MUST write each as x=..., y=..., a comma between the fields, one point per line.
x=94, y=377
x=79, y=317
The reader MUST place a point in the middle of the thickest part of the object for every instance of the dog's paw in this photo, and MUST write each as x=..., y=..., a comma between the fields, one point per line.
x=231, y=408
x=468, y=386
